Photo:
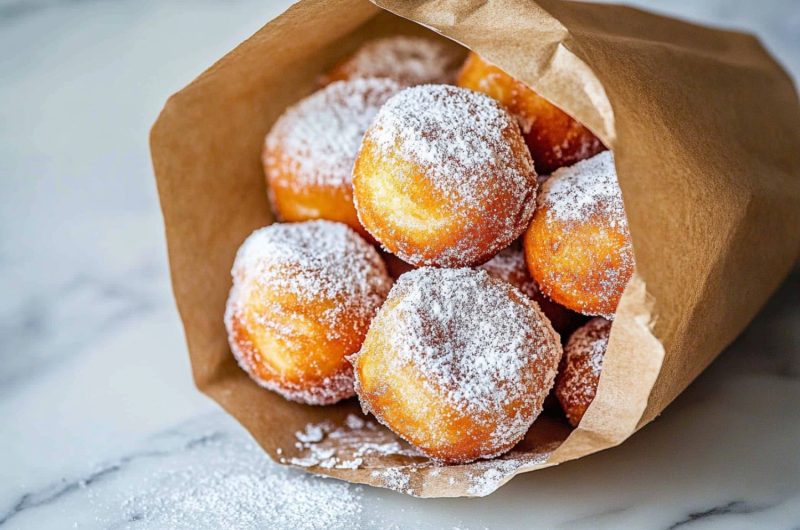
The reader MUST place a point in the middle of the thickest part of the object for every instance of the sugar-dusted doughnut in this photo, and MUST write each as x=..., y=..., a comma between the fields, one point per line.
x=302, y=298
x=576, y=384
x=509, y=265
x=406, y=59
x=578, y=247
x=554, y=138
x=309, y=153
x=457, y=363
x=443, y=177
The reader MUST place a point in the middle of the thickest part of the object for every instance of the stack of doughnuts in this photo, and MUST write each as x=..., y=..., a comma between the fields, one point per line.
x=443, y=240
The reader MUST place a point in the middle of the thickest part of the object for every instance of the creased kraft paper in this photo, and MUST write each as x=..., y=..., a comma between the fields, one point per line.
x=705, y=126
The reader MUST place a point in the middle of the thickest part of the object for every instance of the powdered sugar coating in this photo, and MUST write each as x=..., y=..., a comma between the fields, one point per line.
x=588, y=188
x=408, y=60
x=576, y=385
x=578, y=246
x=463, y=328
x=468, y=151
x=314, y=143
x=457, y=136
x=509, y=265
x=484, y=354
x=328, y=274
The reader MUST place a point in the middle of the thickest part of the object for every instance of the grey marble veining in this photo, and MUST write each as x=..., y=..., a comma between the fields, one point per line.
x=100, y=423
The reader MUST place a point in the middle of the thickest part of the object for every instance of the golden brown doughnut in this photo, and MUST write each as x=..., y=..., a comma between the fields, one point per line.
x=408, y=60
x=302, y=298
x=443, y=177
x=457, y=363
x=578, y=247
x=309, y=153
x=576, y=384
x=554, y=138
x=509, y=266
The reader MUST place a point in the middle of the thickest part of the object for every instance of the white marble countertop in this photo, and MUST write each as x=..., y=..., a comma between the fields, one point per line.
x=101, y=426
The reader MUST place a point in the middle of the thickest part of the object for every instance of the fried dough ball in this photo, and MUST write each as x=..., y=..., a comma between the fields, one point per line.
x=302, y=299
x=408, y=60
x=509, y=266
x=578, y=247
x=309, y=153
x=443, y=177
x=457, y=363
x=576, y=384
x=554, y=138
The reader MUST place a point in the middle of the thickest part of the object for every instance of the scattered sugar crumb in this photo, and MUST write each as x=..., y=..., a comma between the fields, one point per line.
x=346, y=447
x=394, y=478
x=491, y=474
x=313, y=433
x=354, y=422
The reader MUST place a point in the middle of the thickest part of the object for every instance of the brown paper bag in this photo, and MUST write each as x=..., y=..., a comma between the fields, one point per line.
x=706, y=130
